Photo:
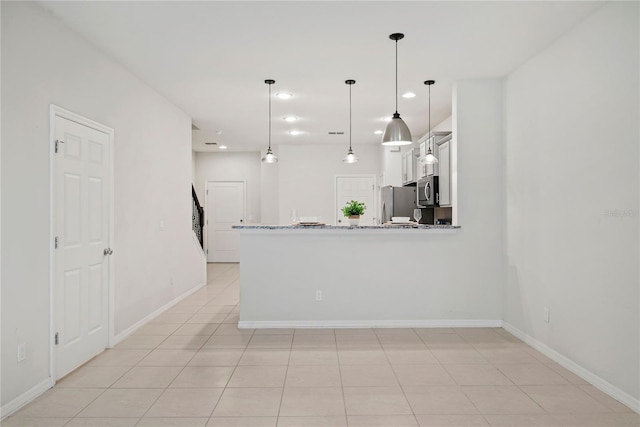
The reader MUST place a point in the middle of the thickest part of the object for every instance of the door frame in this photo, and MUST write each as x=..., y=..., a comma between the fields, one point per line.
x=57, y=111
x=360, y=175
x=206, y=204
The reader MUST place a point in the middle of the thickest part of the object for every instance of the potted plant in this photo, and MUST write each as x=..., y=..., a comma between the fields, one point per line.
x=353, y=210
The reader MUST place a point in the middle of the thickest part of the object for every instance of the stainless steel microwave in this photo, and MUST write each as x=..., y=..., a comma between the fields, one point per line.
x=428, y=191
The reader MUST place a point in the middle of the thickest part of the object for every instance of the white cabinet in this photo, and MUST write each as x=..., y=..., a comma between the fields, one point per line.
x=410, y=166
x=444, y=164
x=422, y=166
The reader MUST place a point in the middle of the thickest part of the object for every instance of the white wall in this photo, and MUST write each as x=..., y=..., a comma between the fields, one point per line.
x=270, y=194
x=391, y=161
x=445, y=125
x=306, y=176
x=193, y=169
x=572, y=196
x=400, y=278
x=43, y=63
x=233, y=166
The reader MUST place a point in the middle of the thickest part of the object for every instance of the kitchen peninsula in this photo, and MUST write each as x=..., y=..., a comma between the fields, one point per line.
x=375, y=276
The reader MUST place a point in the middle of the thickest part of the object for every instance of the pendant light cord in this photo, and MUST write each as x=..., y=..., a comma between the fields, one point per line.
x=396, y=76
x=350, y=118
x=269, y=116
x=429, y=117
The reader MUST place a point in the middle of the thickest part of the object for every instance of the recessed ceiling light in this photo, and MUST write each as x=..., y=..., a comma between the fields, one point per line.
x=408, y=95
x=294, y=132
x=219, y=132
x=290, y=119
x=222, y=147
x=378, y=132
x=284, y=95
x=387, y=119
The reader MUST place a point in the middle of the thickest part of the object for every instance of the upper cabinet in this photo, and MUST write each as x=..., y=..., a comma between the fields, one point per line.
x=444, y=166
x=410, y=166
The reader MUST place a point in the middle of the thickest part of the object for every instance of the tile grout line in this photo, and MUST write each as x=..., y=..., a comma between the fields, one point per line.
x=186, y=364
x=286, y=372
x=413, y=412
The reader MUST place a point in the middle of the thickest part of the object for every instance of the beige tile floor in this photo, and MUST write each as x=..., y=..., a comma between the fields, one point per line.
x=191, y=366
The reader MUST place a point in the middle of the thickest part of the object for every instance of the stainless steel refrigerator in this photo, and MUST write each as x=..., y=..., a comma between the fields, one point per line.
x=401, y=201
x=398, y=201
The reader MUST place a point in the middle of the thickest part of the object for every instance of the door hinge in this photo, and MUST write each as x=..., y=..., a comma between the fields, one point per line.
x=55, y=242
x=207, y=191
x=207, y=251
x=58, y=142
x=56, y=338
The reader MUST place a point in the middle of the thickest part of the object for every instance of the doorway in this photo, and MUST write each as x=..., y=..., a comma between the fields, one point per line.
x=225, y=207
x=360, y=188
x=82, y=226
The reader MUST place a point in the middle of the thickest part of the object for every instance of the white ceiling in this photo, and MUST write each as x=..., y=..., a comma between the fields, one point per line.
x=211, y=58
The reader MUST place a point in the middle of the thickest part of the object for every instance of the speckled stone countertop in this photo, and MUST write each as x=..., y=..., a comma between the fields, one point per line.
x=334, y=227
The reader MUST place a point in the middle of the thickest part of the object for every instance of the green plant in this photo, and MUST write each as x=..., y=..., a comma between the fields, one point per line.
x=353, y=208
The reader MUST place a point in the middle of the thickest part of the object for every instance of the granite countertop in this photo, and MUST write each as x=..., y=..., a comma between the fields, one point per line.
x=335, y=227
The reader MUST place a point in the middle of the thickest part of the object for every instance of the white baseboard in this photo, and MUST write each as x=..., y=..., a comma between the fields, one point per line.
x=25, y=398
x=572, y=366
x=131, y=329
x=278, y=324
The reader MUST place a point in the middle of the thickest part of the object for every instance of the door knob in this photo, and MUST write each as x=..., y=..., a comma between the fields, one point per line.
x=108, y=251
x=240, y=220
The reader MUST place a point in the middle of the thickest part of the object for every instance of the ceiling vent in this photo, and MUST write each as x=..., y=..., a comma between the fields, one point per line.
x=336, y=133
x=210, y=143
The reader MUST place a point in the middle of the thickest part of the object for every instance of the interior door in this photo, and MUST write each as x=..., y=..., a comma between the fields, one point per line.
x=81, y=227
x=225, y=208
x=359, y=188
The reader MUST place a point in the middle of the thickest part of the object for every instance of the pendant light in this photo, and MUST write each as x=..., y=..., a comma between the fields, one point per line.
x=350, y=158
x=397, y=132
x=430, y=158
x=269, y=157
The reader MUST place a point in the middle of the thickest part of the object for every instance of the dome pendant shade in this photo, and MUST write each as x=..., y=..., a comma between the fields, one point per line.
x=397, y=132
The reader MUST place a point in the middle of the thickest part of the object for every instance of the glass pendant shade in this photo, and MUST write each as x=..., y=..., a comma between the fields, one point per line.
x=397, y=132
x=350, y=157
x=430, y=159
x=270, y=157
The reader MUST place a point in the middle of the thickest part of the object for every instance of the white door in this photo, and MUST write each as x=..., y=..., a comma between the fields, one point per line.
x=225, y=208
x=81, y=226
x=359, y=188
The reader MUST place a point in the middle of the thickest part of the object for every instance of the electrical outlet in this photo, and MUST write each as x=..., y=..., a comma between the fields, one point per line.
x=318, y=295
x=22, y=351
x=546, y=314
x=161, y=225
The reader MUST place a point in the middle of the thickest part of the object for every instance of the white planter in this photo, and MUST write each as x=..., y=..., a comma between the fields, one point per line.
x=354, y=220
